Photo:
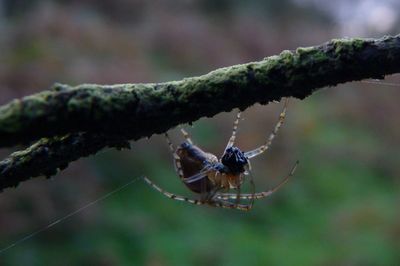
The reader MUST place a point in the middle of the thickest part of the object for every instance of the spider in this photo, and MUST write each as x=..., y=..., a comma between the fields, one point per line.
x=214, y=179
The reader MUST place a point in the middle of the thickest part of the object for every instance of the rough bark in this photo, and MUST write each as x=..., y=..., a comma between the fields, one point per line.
x=91, y=117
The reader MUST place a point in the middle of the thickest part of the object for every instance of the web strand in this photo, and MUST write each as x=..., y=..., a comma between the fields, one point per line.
x=25, y=238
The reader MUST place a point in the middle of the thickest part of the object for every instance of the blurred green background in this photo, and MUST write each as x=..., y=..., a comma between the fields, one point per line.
x=340, y=208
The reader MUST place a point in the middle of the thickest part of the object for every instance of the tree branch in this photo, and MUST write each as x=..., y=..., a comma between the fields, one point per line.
x=110, y=115
x=50, y=155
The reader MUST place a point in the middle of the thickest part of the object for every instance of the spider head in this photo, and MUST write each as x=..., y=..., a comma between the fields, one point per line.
x=234, y=160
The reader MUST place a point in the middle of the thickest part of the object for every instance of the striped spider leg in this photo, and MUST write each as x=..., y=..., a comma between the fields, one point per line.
x=267, y=144
x=212, y=178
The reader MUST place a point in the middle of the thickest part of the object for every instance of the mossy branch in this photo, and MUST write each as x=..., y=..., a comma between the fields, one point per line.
x=90, y=117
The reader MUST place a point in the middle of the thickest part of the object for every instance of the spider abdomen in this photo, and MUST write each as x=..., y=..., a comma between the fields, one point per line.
x=193, y=160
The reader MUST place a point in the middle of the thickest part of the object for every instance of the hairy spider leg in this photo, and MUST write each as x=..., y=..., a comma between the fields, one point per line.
x=267, y=144
x=186, y=136
x=177, y=159
x=171, y=195
x=259, y=195
x=234, y=130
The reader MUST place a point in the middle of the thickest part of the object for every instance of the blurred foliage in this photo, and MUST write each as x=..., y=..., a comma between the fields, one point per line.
x=340, y=208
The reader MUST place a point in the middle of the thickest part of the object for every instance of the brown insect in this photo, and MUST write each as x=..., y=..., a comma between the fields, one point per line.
x=203, y=173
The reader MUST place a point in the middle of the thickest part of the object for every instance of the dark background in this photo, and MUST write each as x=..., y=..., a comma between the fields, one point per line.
x=340, y=208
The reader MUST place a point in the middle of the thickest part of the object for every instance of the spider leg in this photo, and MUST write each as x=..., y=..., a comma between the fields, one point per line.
x=204, y=195
x=267, y=144
x=171, y=195
x=177, y=159
x=186, y=136
x=252, y=186
x=237, y=200
x=259, y=195
x=208, y=196
x=229, y=205
x=234, y=130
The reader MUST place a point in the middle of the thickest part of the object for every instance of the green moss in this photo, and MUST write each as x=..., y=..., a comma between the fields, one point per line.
x=10, y=117
x=348, y=45
x=286, y=57
x=306, y=56
x=35, y=106
x=358, y=44
x=305, y=50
